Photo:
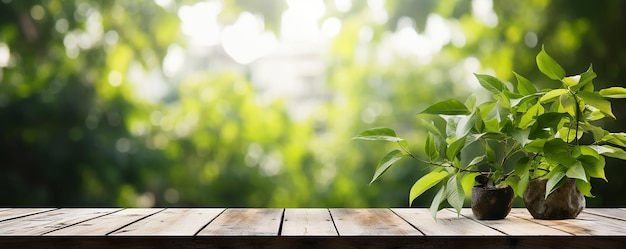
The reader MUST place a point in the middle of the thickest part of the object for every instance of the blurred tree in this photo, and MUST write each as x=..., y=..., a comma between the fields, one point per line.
x=96, y=109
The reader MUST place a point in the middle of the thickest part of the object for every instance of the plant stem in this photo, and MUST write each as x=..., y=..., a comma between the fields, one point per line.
x=576, y=117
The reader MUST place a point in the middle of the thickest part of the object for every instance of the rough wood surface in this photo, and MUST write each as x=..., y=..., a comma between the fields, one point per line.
x=615, y=213
x=45, y=222
x=513, y=225
x=245, y=222
x=353, y=222
x=584, y=224
x=448, y=223
x=302, y=228
x=106, y=224
x=19, y=212
x=171, y=222
x=308, y=222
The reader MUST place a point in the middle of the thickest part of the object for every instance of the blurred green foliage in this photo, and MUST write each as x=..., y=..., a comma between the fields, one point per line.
x=76, y=127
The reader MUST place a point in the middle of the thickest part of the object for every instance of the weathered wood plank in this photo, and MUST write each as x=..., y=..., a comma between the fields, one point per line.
x=375, y=221
x=106, y=224
x=42, y=223
x=245, y=222
x=615, y=213
x=19, y=212
x=516, y=225
x=171, y=221
x=308, y=222
x=448, y=223
x=584, y=224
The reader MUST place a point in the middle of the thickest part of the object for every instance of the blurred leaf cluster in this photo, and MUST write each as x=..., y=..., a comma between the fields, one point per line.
x=90, y=114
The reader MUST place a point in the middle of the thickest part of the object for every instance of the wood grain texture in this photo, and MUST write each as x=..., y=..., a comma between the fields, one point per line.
x=19, y=212
x=584, y=224
x=308, y=222
x=171, y=222
x=515, y=225
x=106, y=224
x=615, y=213
x=42, y=223
x=353, y=222
x=261, y=228
x=245, y=222
x=448, y=223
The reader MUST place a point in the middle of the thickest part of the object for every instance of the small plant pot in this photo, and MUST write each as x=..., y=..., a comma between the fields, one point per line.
x=565, y=202
x=491, y=203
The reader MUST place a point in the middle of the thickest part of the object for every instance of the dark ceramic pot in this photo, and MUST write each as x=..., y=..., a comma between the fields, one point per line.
x=491, y=203
x=565, y=202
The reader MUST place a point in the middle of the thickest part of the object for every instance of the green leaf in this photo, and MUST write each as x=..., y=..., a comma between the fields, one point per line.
x=522, y=166
x=596, y=100
x=430, y=148
x=490, y=83
x=594, y=166
x=556, y=151
x=519, y=102
x=491, y=135
x=587, y=150
x=549, y=66
x=586, y=78
x=550, y=120
x=431, y=127
x=486, y=108
x=584, y=187
x=529, y=117
x=523, y=184
x=503, y=100
x=447, y=107
x=521, y=136
x=587, y=88
x=613, y=92
x=451, y=125
x=468, y=180
x=552, y=95
x=569, y=135
x=524, y=86
x=576, y=171
x=386, y=162
x=435, y=206
x=470, y=102
x=425, y=183
x=613, y=138
x=490, y=154
x=535, y=145
x=454, y=193
x=474, y=161
x=571, y=81
x=465, y=125
x=404, y=145
x=611, y=151
x=380, y=134
x=554, y=182
x=454, y=148
x=492, y=124
x=567, y=104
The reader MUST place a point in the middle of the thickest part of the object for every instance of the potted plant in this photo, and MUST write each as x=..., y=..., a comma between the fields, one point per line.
x=467, y=147
x=539, y=143
x=564, y=145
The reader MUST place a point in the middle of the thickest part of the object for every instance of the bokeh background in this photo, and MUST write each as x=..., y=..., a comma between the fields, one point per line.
x=245, y=103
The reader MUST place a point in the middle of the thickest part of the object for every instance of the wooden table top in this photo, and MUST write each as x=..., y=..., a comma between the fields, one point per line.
x=301, y=228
